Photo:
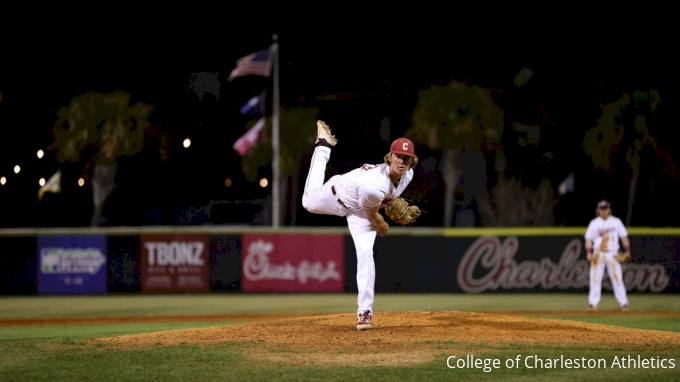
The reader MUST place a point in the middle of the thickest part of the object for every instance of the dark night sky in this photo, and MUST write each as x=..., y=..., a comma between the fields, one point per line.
x=570, y=79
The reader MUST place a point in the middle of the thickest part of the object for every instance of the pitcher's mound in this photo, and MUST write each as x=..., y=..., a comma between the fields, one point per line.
x=338, y=331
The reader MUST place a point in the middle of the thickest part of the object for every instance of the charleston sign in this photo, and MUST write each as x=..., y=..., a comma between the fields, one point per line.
x=489, y=264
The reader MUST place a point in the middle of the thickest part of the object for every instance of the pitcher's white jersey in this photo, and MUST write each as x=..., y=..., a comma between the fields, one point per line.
x=605, y=234
x=369, y=186
x=349, y=195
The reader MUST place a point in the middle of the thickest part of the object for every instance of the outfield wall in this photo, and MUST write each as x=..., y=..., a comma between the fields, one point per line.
x=200, y=259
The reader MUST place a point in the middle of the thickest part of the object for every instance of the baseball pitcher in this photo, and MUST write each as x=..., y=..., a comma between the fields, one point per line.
x=602, y=237
x=359, y=195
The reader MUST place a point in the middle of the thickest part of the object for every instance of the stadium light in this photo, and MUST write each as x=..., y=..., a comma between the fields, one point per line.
x=41, y=182
x=227, y=182
x=264, y=182
x=17, y=169
x=40, y=154
x=187, y=143
x=81, y=182
x=3, y=180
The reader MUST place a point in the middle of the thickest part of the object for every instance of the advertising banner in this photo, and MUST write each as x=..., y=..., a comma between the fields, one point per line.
x=516, y=264
x=552, y=263
x=71, y=264
x=293, y=263
x=174, y=263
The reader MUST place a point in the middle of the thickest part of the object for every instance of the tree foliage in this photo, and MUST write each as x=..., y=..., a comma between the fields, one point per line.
x=623, y=118
x=105, y=125
x=457, y=116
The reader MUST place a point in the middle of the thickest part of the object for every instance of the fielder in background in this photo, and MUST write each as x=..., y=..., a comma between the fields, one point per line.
x=603, y=235
x=359, y=195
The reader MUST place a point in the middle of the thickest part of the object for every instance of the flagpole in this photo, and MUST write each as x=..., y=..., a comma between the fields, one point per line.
x=276, y=208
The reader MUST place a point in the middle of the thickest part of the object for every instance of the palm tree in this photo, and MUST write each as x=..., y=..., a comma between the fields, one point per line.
x=454, y=119
x=623, y=128
x=99, y=129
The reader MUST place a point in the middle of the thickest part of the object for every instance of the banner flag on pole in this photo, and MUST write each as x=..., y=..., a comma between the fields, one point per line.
x=250, y=138
x=52, y=185
x=254, y=64
x=567, y=185
x=255, y=106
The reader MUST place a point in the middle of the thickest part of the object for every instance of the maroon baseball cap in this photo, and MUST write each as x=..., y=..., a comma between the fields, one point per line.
x=403, y=146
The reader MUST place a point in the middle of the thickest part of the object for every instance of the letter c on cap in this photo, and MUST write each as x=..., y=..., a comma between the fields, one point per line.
x=404, y=146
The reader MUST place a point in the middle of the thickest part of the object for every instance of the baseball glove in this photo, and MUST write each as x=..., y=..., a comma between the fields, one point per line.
x=399, y=211
x=622, y=257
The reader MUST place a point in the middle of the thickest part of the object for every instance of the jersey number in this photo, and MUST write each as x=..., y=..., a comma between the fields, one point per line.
x=604, y=246
x=367, y=167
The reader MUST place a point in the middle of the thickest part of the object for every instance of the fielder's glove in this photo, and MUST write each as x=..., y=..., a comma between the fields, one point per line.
x=622, y=257
x=399, y=211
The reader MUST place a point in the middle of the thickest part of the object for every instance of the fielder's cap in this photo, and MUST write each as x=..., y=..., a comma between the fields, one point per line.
x=603, y=204
x=403, y=146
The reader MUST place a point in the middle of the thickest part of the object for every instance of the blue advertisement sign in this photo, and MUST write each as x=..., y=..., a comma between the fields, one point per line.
x=72, y=264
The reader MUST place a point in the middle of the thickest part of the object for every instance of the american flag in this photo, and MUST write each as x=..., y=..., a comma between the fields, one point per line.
x=250, y=138
x=255, y=64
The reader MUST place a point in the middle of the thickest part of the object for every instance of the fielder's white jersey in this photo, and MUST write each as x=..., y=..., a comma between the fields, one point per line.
x=369, y=186
x=605, y=234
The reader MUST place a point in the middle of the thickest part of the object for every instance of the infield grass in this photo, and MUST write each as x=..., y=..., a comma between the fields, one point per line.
x=73, y=360
x=97, y=330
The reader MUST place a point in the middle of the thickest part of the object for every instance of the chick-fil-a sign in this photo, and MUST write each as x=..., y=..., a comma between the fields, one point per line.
x=293, y=263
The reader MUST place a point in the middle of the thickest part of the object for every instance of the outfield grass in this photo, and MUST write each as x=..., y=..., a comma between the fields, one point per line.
x=62, y=352
x=206, y=304
x=670, y=324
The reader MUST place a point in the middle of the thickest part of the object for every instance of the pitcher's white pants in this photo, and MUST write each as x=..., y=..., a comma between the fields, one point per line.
x=319, y=199
x=600, y=261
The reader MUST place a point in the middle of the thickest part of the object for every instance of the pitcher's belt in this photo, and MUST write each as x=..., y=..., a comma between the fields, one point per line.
x=339, y=201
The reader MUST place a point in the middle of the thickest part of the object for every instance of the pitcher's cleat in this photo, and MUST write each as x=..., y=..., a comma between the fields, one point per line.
x=625, y=308
x=364, y=321
x=591, y=308
x=324, y=136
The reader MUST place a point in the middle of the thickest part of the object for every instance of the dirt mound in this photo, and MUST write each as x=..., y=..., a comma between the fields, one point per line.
x=398, y=333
